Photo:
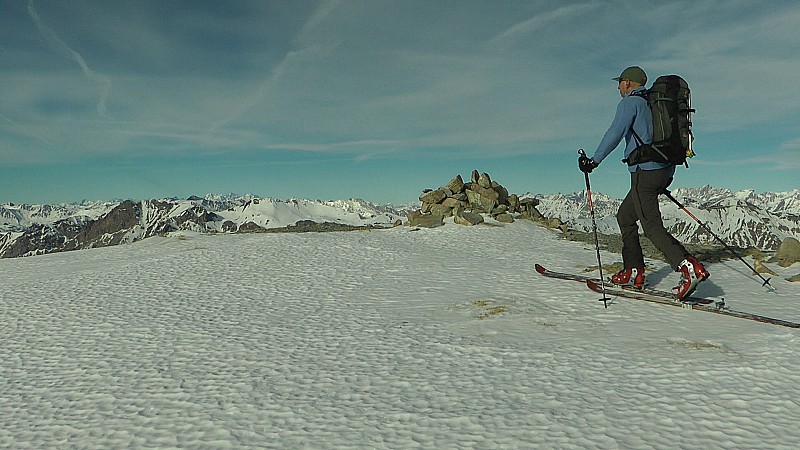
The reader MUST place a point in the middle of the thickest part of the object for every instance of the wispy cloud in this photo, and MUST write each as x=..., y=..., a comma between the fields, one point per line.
x=325, y=8
x=538, y=21
x=363, y=80
x=60, y=47
x=262, y=92
x=788, y=156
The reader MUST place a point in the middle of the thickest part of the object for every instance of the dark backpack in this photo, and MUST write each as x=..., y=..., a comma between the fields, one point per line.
x=670, y=102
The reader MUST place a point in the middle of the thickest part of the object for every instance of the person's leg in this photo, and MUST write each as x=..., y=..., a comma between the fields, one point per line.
x=645, y=191
x=627, y=218
x=650, y=184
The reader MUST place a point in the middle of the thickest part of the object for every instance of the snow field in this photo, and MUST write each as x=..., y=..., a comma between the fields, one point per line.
x=443, y=338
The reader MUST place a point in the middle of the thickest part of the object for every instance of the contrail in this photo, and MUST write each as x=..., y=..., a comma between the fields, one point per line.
x=292, y=57
x=26, y=130
x=540, y=20
x=59, y=46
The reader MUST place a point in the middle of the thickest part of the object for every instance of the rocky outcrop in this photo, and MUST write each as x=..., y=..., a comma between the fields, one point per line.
x=788, y=252
x=468, y=203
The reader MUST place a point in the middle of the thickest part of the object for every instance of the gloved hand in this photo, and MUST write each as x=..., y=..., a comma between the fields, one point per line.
x=586, y=164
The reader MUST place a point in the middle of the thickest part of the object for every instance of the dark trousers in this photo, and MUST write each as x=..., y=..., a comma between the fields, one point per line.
x=641, y=205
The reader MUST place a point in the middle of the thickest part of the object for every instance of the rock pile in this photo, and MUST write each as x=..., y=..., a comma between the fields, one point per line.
x=468, y=202
x=788, y=252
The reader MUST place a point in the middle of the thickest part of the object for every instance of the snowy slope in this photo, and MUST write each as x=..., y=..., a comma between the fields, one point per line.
x=437, y=338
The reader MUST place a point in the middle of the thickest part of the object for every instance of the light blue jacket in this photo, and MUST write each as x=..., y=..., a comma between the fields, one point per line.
x=632, y=109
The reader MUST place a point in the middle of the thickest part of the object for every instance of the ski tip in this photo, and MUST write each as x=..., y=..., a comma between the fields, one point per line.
x=592, y=284
x=540, y=268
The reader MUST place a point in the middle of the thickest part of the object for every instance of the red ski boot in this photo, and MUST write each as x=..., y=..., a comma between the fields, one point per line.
x=692, y=273
x=631, y=276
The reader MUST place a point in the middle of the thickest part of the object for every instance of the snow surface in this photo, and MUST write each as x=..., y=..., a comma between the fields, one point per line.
x=436, y=338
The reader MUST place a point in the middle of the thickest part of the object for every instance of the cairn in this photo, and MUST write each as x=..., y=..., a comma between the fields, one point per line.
x=468, y=202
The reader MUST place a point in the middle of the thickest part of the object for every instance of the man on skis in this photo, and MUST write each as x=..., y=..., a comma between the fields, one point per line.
x=648, y=180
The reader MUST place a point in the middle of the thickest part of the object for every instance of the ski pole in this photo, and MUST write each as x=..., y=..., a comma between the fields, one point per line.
x=605, y=299
x=728, y=247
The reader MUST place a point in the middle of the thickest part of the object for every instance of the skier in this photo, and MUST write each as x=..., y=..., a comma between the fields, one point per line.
x=648, y=180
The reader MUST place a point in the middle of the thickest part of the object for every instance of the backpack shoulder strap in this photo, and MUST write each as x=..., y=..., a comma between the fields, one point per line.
x=643, y=94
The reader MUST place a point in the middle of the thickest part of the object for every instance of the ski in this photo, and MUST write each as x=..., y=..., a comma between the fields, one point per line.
x=643, y=290
x=718, y=307
x=564, y=276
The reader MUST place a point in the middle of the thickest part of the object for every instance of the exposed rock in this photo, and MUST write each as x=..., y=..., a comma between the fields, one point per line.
x=418, y=219
x=794, y=279
x=484, y=192
x=452, y=202
x=761, y=268
x=532, y=214
x=310, y=226
x=461, y=196
x=249, y=227
x=513, y=203
x=474, y=176
x=788, y=252
x=71, y=234
x=485, y=181
x=480, y=202
x=441, y=210
x=505, y=218
x=456, y=185
x=433, y=197
x=36, y=240
x=479, y=196
x=467, y=218
x=501, y=192
x=196, y=215
x=500, y=209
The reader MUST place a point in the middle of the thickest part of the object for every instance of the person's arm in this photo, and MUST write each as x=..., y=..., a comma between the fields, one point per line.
x=619, y=127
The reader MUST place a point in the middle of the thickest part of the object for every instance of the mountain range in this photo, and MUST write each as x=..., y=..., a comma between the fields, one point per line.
x=27, y=230
x=743, y=218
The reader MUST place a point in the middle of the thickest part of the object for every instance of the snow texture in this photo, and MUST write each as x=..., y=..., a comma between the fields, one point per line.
x=436, y=338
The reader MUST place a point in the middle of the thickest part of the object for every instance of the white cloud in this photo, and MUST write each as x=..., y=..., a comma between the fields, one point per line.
x=538, y=21
x=371, y=78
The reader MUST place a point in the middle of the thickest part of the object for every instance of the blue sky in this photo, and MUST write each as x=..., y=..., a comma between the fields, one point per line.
x=377, y=99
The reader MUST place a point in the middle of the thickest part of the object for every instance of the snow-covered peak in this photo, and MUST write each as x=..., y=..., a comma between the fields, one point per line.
x=36, y=229
x=744, y=218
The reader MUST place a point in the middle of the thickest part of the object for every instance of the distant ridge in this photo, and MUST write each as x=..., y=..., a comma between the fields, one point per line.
x=742, y=218
x=27, y=230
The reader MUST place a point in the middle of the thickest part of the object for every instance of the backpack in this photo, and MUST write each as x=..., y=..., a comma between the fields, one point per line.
x=670, y=103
